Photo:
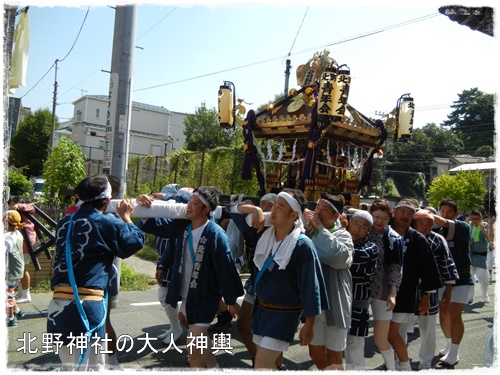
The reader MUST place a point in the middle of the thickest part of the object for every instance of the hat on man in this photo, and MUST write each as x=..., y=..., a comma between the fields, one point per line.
x=270, y=197
x=362, y=214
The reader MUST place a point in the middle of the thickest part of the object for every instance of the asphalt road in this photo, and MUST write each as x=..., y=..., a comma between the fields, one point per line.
x=139, y=315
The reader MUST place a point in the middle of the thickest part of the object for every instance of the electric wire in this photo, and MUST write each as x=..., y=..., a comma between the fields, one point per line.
x=78, y=35
x=298, y=31
x=419, y=19
x=40, y=80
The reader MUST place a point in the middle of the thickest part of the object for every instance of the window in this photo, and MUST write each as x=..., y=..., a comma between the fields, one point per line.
x=97, y=112
x=101, y=144
x=78, y=115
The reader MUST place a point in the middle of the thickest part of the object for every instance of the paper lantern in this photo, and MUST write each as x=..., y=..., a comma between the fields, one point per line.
x=326, y=91
x=340, y=94
x=406, y=110
x=226, y=106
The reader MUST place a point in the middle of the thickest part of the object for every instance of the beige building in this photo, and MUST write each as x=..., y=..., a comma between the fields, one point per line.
x=154, y=131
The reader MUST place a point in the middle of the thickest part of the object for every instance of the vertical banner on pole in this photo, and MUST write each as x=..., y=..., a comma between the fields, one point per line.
x=108, y=140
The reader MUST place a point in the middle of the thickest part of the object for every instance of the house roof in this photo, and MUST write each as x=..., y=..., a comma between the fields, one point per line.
x=134, y=104
x=467, y=159
x=442, y=160
x=475, y=167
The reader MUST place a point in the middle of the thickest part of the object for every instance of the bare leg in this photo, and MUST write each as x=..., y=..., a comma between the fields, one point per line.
x=318, y=355
x=199, y=358
x=265, y=359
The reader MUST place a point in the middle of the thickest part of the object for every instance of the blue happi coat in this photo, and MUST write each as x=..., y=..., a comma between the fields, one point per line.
x=95, y=239
x=214, y=272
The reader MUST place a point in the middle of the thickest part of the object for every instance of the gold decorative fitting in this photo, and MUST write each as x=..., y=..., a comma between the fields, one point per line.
x=312, y=103
x=310, y=145
x=245, y=147
x=309, y=91
x=293, y=92
x=269, y=107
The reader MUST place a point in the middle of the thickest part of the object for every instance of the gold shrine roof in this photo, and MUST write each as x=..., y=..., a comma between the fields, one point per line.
x=292, y=120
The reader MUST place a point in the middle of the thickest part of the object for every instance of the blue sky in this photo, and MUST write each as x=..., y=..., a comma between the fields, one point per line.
x=432, y=59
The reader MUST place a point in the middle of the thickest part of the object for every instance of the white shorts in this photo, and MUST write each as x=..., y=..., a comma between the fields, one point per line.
x=400, y=317
x=459, y=294
x=379, y=308
x=490, y=259
x=270, y=343
x=334, y=338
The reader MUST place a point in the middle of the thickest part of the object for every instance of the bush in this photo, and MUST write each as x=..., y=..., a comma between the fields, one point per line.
x=148, y=253
x=19, y=183
x=41, y=287
x=130, y=280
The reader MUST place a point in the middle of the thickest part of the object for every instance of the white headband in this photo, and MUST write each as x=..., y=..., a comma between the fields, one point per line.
x=106, y=194
x=330, y=203
x=291, y=201
x=401, y=205
x=202, y=199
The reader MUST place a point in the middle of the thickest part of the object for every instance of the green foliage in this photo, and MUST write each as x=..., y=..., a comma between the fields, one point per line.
x=29, y=147
x=130, y=280
x=473, y=117
x=416, y=155
x=19, y=184
x=42, y=286
x=220, y=167
x=465, y=187
x=65, y=167
x=148, y=253
x=390, y=189
x=485, y=151
x=203, y=132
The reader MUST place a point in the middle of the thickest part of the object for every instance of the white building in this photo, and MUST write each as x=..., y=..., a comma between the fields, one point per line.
x=154, y=131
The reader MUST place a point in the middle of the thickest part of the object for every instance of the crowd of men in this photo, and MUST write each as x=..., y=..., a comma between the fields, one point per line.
x=336, y=269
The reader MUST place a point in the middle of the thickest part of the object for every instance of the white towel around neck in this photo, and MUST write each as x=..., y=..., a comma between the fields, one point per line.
x=285, y=250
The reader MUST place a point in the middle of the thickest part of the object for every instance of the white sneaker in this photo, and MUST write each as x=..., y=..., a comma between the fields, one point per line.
x=24, y=298
x=172, y=335
x=164, y=335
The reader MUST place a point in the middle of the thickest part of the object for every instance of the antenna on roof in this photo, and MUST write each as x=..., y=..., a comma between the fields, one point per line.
x=82, y=90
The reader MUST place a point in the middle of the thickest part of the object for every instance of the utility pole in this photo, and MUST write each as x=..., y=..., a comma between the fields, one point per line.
x=120, y=101
x=54, y=104
x=287, y=76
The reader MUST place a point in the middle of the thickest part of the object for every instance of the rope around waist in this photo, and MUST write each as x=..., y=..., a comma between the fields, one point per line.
x=271, y=307
x=85, y=294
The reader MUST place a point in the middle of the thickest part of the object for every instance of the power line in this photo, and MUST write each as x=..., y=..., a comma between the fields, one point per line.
x=157, y=23
x=99, y=70
x=298, y=31
x=40, y=80
x=419, y=19
x=81, y=27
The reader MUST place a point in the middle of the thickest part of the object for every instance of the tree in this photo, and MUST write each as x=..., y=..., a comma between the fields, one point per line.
x=203, y=131
x=473, y=116
x=465, y=187
x=485, y=151
x=407, y=161
x=29, y=147
x=65, y=167
x=19, y=184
